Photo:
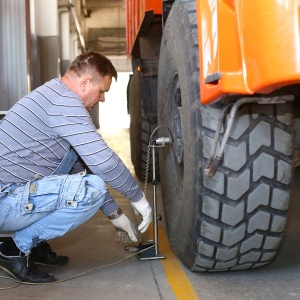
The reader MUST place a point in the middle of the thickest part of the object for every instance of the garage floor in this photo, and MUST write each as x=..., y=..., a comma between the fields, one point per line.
x=114, y=273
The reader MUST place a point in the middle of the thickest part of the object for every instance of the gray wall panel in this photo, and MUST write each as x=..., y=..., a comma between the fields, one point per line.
x=13, y=52
x=49, y=57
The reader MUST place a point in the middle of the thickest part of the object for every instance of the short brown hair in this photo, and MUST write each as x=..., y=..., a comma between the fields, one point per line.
x=91, y=61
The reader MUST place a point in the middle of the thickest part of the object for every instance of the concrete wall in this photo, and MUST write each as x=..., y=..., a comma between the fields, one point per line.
x=105, y=31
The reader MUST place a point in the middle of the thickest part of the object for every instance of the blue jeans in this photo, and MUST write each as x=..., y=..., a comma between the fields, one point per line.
x=49, y=207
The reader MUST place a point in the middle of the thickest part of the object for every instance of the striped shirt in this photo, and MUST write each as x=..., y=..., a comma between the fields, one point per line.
x=40, y=128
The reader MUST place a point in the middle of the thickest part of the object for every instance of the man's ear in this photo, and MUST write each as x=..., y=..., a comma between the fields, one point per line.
x=85, y=83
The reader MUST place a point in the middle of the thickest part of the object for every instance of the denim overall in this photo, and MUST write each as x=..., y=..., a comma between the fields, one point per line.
x=49, y=207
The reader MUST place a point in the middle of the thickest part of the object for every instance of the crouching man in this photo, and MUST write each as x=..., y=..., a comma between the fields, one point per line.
x=42, y=137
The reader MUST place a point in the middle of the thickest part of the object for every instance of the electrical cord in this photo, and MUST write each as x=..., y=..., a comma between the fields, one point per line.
x=147, y=168
x=141, y=246
x=12, y=286
x=18, y=283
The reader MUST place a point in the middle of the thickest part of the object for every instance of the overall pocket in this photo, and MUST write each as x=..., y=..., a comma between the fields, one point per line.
x=42, y=195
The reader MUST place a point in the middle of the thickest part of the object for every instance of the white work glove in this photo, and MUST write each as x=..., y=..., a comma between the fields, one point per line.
x=125, y=229
x=144, y=209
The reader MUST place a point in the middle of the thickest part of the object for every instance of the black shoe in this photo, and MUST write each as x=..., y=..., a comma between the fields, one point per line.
x=43, y=255
x=23, y=269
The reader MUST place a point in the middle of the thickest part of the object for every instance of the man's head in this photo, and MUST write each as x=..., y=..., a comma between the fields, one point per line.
x=93, y=63
x=90, y=76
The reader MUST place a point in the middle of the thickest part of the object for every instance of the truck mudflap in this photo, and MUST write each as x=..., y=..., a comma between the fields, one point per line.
x=247, y=47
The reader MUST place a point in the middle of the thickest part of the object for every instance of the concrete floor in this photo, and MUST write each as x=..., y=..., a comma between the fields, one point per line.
x=92, y=247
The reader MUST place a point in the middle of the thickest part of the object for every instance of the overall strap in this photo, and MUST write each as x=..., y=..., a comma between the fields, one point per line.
x=67, y=163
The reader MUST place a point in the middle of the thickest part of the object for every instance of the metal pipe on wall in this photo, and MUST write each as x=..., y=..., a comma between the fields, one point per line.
x=78, y=27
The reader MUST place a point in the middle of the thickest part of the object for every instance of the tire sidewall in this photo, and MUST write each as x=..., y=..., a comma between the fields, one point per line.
x=180, y=200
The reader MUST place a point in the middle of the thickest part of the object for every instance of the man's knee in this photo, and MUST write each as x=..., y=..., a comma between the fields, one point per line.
x=91, y=190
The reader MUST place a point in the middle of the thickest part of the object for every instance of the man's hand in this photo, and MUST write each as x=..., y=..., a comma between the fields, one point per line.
x=144, y=209
x=125, y=229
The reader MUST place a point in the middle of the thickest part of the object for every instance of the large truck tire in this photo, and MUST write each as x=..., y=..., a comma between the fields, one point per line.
x=234, y=220
x=141, y=128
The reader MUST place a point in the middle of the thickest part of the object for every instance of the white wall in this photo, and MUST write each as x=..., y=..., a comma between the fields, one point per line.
x=45, y=18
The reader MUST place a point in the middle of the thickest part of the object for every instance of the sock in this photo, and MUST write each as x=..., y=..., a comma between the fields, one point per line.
x=9, y=248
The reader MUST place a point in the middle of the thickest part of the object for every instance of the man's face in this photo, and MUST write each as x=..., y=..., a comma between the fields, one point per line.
x=95, y=93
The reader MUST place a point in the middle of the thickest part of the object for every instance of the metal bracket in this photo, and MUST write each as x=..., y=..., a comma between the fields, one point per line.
x=152, y=252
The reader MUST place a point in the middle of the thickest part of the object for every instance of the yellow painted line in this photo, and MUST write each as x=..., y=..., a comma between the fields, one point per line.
x=176, y=277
